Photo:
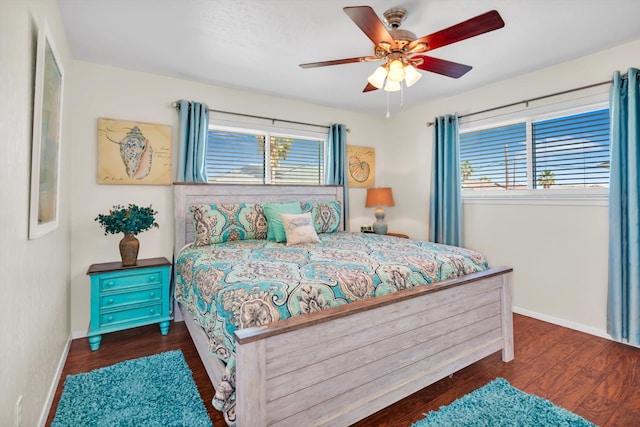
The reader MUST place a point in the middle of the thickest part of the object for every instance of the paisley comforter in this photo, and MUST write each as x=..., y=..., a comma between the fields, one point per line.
x=245, y=283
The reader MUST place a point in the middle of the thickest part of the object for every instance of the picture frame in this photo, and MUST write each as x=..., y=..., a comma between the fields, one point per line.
x=134, y=152
x=47, y=135
x=361, y=166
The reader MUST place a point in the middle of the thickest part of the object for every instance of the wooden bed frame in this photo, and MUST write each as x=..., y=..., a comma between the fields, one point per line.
x=340, y=365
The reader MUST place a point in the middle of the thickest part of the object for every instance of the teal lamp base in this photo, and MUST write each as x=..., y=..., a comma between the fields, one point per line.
x=379, y=227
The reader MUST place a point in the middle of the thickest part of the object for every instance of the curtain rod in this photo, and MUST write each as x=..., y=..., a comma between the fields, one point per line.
x=272, y=119
x=527, y=101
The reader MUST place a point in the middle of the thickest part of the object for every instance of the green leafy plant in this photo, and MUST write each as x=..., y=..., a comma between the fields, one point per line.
x=132, y=219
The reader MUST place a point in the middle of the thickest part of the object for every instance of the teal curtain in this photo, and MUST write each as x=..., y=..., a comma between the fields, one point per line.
x=193, y=128
x=336, y=165
x=445, y=213
x=623, y=303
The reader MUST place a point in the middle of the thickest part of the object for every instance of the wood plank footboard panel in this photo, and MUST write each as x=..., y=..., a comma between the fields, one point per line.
x=339, y=368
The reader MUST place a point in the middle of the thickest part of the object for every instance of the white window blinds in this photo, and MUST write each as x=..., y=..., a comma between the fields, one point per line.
x=570, y=151
x=255, y=157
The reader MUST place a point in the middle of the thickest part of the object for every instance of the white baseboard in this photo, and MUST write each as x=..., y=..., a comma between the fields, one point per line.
x=562, y=322
x=54, y=384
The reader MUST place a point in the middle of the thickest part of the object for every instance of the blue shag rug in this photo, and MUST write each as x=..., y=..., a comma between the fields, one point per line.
x=151, y=391
x=499, y=404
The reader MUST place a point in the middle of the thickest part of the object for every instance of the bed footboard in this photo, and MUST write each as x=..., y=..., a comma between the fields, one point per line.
x=338, y=367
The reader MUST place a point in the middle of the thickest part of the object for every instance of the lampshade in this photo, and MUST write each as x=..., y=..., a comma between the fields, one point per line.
x=392, y=86
x=411, y=75
x=378, y=76
x=396, y=71
x=377, y=197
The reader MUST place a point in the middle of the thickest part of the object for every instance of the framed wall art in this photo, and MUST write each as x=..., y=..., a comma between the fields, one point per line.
x=47, y=132
x=361, y=166
x=133, y=152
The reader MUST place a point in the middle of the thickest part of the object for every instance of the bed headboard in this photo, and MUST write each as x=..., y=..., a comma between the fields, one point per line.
x=187, y=194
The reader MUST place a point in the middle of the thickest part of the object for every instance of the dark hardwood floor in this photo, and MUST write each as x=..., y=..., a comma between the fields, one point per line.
x=593, y=377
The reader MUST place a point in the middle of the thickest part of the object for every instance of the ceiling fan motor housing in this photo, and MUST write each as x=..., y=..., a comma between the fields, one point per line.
x=393, y=18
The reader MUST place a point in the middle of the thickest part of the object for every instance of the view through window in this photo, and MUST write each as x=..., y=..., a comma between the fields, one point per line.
x=256, y=157
x=569, y=151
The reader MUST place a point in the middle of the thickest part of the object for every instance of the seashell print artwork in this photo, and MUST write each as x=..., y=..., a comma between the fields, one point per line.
x=133, y=152
x=361, y=166
x=136, y=153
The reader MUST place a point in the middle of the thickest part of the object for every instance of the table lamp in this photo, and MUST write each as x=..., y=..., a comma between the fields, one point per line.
x=377, y=198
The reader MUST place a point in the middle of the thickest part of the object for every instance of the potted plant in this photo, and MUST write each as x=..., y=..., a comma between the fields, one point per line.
x=130, y=220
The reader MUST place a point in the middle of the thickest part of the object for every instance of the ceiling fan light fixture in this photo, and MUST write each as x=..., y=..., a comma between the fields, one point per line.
x=378, y=76
x=411, y=75
x=396, y=71
x=392, y=86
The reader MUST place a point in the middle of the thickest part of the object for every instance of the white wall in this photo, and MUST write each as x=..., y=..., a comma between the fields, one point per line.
x=100, y=91
x=559, y=253
x=34, y=308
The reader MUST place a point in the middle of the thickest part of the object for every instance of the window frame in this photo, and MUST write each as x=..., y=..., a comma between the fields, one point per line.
x=269, y=131
x=538, y=196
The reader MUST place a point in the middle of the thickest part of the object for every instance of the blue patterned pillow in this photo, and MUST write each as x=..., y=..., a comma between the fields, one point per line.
x=325, y=215
x=233, y=221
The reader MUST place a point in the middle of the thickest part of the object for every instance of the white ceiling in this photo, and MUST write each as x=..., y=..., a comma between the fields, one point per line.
x=257, y=45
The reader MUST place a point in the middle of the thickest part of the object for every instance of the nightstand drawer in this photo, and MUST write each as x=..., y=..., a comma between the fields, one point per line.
x=147, y=276
x=114, y=300
x=129, y=316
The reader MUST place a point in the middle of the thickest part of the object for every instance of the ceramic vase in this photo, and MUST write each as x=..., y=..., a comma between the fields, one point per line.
x=129, y=246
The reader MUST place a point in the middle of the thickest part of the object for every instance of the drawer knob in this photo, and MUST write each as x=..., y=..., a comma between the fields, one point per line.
x=153, y=310
x=110, y=301
x=110, y=283
x=152, y=294
x=152, y=278
x=109, y=318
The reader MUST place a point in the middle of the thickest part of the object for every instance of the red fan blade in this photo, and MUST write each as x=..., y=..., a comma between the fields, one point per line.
x=369, y=87
x=338, y=62
x=440, y=66
x=470, y=28
x=367, y=20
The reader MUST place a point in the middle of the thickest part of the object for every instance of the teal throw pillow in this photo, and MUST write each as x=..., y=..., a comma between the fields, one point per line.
x=275, y=229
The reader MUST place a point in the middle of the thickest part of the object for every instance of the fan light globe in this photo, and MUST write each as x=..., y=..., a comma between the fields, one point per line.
x=392, y=86
x=378, y=76
x=411, y=75
x=396, y=71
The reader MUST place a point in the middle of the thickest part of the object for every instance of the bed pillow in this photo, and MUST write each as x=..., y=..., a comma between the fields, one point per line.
x=272, y=211
x=231, y=221
x=299, y=229
x=325, y=215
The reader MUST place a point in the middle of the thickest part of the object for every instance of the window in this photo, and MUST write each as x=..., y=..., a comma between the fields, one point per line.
x=572, y=151
x=244, y=156
x=568, y=151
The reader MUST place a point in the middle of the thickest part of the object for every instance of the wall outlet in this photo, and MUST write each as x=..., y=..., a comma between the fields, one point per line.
x=17, y=421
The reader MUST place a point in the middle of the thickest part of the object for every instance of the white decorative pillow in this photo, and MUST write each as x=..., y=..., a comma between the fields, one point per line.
x=299, y=229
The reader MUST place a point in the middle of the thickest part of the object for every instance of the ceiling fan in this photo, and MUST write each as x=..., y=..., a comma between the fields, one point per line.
x=400, y=48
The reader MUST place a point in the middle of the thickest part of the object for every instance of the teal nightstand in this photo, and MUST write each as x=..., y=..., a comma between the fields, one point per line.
x=126, y=297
